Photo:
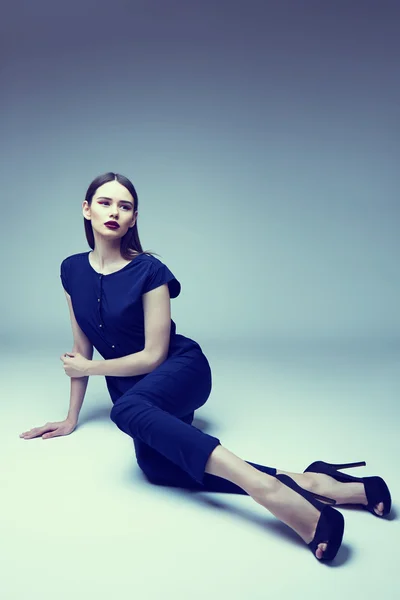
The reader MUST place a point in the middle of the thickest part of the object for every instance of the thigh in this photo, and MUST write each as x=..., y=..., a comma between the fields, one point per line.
x=180, y=385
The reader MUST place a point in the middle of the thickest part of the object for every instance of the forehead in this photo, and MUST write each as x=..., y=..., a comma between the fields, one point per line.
x=114, y=189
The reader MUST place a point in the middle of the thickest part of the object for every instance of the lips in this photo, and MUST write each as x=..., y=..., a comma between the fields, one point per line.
x=112, y=225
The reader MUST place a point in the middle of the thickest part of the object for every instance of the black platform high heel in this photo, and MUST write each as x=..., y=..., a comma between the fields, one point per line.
x=330, y=526
x=376, y=489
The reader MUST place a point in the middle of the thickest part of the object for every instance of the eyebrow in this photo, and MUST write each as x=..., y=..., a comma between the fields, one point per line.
x=105, y=198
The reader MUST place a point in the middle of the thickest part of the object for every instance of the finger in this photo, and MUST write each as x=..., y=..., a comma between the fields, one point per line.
x=37, y=430
x=49, y=435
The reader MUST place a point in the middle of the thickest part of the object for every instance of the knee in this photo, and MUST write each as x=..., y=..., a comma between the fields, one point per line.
x=132, y=406
x=119, y=416
x=143, y=457
x=114, y=414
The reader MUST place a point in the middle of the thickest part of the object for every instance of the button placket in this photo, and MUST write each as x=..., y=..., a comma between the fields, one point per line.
x=99, y=306
x=99, y=301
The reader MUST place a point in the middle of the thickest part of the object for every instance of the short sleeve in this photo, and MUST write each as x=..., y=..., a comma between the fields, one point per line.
x=159, y=274
x=64, y=275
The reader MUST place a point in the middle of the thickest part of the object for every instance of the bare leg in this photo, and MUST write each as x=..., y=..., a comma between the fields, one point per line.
x=280, y=500
x=344, y=493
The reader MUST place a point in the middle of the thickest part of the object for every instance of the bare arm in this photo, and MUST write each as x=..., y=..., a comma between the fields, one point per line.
x=78, y=384
x=157, y=325
x=78, y=389
x=138, y=363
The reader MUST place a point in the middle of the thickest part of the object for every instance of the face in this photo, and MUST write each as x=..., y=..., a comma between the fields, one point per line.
x=111, y=202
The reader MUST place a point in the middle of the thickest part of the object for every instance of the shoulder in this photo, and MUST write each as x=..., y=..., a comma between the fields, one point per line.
x=149, y=258
x=158, y=273
x=74, y=258
x=153, y=264
x=68, y=271
x=150, y=262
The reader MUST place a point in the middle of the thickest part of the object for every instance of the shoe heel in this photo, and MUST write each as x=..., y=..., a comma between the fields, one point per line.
x=347, y=465
x=376, y=489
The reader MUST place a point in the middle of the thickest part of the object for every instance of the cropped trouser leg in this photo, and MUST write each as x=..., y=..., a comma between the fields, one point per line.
x=184, y=445
x=161, y=471
x=157, y=413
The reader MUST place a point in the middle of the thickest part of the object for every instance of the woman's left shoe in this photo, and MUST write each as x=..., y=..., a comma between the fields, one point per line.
x=376, y=489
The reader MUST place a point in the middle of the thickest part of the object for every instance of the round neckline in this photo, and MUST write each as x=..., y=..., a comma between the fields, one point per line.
x=114, y=272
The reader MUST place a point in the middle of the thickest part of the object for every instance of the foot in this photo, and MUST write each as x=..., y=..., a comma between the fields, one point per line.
x=352, y=492
x=291, y=508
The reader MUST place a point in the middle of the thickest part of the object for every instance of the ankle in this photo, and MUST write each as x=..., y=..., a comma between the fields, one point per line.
x=264, y=486
x=311, y=482
x=308, y=481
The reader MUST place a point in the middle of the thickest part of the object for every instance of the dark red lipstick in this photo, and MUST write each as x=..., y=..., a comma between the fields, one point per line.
x=112, y=224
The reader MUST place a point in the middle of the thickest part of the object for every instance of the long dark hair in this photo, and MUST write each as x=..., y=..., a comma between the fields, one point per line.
x=130, y=242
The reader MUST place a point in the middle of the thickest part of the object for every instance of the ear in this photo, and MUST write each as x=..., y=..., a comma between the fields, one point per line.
x=86, y=209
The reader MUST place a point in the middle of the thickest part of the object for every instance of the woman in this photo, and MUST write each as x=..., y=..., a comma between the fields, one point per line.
x=119, y=303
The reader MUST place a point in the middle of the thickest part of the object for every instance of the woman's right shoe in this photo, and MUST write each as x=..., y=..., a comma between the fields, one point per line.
x=376, y=489
x=330, y=526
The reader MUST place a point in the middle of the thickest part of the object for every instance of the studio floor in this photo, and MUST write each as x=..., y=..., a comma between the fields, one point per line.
x=80, y=520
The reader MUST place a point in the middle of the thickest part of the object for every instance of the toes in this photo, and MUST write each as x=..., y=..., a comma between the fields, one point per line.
x=321, y=549
x=379, y=508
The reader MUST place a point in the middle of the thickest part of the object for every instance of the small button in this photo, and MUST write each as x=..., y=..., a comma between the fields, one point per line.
x=100, y=325
x=98, y=299
x=112, y=346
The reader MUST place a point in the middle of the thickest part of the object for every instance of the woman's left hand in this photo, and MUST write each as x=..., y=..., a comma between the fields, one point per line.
x=75, y=365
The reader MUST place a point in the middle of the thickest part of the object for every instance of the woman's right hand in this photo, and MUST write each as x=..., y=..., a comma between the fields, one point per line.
x=50, y=430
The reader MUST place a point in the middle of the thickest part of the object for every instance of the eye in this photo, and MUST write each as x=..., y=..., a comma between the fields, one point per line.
x=123, y=205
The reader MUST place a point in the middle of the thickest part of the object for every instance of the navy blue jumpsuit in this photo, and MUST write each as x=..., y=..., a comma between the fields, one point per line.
x=156, y=409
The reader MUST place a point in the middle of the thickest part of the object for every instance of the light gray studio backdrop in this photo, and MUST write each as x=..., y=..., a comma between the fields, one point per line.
x=263, y=141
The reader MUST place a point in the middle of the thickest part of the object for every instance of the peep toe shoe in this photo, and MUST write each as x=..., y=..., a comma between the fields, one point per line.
x=376, y=489
x=330, y=526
